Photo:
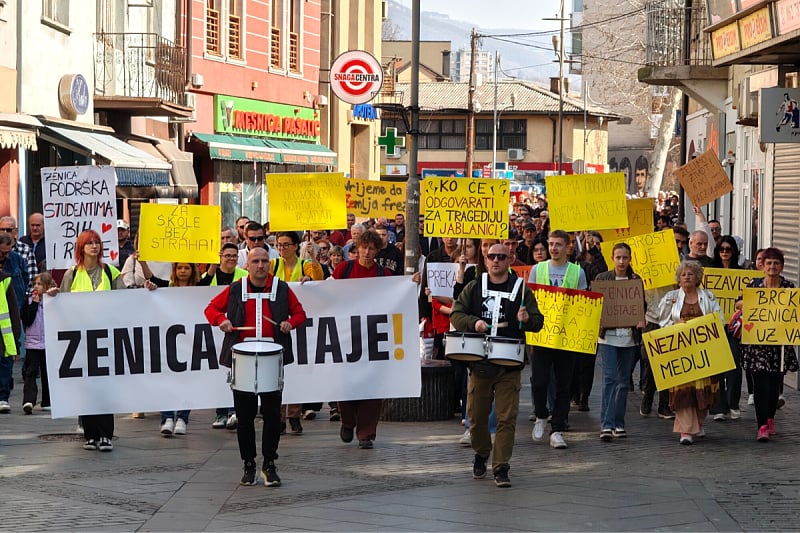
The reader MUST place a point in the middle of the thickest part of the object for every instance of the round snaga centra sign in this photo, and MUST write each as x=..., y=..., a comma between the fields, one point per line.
x=356, y=77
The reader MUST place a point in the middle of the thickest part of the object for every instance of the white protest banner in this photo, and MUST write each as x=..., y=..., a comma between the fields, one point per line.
x=441, y=278
x=75, y=199
x=160, y=352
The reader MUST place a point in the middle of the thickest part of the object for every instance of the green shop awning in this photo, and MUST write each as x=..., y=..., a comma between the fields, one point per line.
x=238, y=148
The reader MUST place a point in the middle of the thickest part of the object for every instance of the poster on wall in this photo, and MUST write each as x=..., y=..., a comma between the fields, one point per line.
x=779, y=117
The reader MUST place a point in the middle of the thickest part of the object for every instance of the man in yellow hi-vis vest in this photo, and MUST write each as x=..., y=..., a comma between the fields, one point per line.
x=10, y=330
x=559, y=272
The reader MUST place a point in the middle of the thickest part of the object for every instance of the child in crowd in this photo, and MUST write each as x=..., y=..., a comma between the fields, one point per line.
x=33, y=319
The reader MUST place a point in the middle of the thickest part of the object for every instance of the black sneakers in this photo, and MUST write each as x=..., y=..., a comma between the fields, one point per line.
x=249, y=476
x=346, y=434
x=479, y=467
x=501, y=477
x=365, y=444
x=335, y=416
x=297, y=427
x=269, y=474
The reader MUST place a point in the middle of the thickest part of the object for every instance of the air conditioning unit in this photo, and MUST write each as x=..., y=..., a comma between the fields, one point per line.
x=191, y=101
x=516, y=154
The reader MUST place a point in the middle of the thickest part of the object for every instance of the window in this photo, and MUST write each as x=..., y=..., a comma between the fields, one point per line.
x=56, y=11
x=449, y=134
x=224, y=28
x=295, y=14
x=276, y=35
x=286, y=35
x=511, y=133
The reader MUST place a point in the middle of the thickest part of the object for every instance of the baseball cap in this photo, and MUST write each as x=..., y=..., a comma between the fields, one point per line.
x=121, y=224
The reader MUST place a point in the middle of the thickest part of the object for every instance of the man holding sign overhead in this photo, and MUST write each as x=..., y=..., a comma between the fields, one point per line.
x=498, y=304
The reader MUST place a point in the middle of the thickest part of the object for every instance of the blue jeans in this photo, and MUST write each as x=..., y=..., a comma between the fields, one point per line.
x=6, y=377
x=617, y=363
x=183, y=415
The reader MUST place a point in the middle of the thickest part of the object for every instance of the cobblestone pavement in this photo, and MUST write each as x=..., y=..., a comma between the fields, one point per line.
x=416, y=479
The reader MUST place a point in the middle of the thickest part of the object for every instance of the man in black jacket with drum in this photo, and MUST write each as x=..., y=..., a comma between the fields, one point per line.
x=281, y=313
x=492, y=304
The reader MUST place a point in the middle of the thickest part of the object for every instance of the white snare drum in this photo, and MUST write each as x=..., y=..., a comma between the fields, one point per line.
x=462, y=346
x=505, y=351
x=257, y=367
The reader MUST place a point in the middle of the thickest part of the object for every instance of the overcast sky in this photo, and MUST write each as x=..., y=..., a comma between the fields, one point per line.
x=487, y=14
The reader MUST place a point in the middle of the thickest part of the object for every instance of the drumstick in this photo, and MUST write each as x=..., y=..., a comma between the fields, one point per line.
x=268, y=319
x=243, y=328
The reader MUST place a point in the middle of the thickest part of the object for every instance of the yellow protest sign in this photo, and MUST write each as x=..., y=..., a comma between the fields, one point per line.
x=367, y=198
x=465, y=208
x=571, y=319
x=688, y=351
x=727, y=285
x=771, y=316
x=300, y=201
x=654, y=257
x=180, y=233
x=640, y=220
x=587, y=201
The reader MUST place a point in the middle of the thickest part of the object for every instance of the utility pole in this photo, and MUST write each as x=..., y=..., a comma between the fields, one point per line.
x=558, y=48
x=495, y=125
x=471, y=104
x=411, y=262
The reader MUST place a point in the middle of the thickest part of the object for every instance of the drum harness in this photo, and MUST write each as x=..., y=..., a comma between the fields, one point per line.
x=259, y=297
x=498, y=296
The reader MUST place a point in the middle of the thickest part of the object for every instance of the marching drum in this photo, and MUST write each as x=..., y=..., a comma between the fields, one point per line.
x=257, y=367
x=505, y=351
x=462, y=346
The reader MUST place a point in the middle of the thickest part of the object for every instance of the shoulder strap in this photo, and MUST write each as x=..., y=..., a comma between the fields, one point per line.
x=348, y=268
x=107, y=270
x=381, y=270
x=276, y=267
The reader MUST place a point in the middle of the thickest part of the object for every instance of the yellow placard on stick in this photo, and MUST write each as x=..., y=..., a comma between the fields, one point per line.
x=688, y=351
x=771, y=316
x=180, y=233
x=654, y=257
x=571, y=319
x=465, y=208
x=727, y=285
x=300, y=201
x=368, y=198
x=640, y=221
x=587, y=201
x=704, y=179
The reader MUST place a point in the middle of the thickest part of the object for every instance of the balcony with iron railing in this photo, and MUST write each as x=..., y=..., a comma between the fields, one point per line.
x=678, y=52
x=139, y=73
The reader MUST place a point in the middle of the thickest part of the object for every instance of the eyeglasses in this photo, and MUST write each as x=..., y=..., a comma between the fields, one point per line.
x=7, y=230
x=726, y=249
x=284, y=244
x=324, y=248
x=255, y=239
x=230, y=256
x=497, y=257
x=716, y=230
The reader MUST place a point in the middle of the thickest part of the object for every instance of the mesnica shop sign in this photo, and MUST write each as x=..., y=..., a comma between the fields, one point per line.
x=257, y=118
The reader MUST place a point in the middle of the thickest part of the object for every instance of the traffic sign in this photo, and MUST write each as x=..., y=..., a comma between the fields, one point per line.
x=356, y=77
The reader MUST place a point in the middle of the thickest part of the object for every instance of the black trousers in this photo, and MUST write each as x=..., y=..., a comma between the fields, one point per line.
x=34, y=364
x=98, y=426
x=649, y=382
x=246, y=406
x=583, y=377
x=561, y=362
x=766, y=389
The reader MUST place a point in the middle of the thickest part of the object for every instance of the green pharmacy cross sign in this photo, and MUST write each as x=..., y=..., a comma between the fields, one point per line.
x=391, y=142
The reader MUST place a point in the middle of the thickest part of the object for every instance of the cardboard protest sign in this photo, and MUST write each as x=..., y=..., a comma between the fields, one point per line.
x=571, y=319
x=180, y=233
x=689, y=351
x=623, y=302
x=771, y=316
x=704, y=179
x=465, y=208
x=640, y=220
x=300, y=201
x=727, y=285
x=366, y=198
x=587, y=201
x=441, y=278
x=75, y=199
x=654, y=257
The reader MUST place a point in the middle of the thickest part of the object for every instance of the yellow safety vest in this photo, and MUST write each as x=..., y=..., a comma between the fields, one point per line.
x=571, y=277
x=5, y=321
x=238, y=274
x=81, y=282
x=279, y=269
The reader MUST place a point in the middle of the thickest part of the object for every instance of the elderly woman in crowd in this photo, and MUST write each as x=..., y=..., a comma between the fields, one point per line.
x=692, y=400
x=764, y=362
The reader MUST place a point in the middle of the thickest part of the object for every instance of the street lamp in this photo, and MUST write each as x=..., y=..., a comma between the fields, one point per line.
x=497, y=113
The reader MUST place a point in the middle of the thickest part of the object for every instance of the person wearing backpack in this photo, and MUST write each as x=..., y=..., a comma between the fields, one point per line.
x=360, y=417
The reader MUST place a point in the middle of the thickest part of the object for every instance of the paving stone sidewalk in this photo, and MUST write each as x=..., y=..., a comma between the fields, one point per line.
x=418, y=478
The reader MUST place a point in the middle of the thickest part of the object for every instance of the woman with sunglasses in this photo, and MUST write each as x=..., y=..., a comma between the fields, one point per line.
x=90, y=274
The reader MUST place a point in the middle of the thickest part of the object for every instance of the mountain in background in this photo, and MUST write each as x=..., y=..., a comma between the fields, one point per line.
x=439, y=27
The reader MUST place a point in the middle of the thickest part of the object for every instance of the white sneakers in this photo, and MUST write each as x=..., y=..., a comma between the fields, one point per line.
x=538, y=429
x=27, y=407
x=180, y=427
x=750, y=400
x=4, y=407
x=736, y=414
x=720, y=417
x=466, y=439
x=167, y=427
x=557, y=441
